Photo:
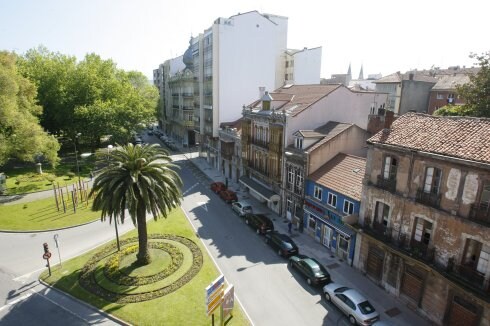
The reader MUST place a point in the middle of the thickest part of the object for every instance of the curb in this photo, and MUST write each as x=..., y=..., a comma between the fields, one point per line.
x=88, y=305
x=50, y=230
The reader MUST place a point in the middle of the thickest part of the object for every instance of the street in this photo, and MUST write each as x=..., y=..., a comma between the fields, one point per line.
x=270, y=293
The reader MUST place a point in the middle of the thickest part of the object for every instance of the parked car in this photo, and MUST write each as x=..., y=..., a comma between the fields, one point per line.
x=218, y=187
x=150, y=133
x=242, y=208
x=284, y=245
x=310, y=268
x=261, y=223
x=351, y=303
x=228, y=196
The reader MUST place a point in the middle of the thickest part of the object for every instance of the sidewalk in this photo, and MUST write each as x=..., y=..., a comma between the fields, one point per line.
x=391, y=308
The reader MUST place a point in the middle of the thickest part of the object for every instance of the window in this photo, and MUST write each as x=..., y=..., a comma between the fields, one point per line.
x=299, y=143
x=440, y=96
x=289, y=206
x=423, y=231
x=332, y=199
x=318, y=193
x=348, y=207
x=432, y=180
x=299, y=179
x=312, y=222
x=389, y=169
x=485, y=197
x=290, y=174
x=483, y=261
x=382, y=212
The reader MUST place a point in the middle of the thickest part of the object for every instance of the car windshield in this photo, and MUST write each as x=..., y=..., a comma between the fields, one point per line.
x=287, y=245
x=317, y=269
x=366, y=308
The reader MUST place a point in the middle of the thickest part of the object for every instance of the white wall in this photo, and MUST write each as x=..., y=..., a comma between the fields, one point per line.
x=247, y=55
x=307, y=66
x=342, y=105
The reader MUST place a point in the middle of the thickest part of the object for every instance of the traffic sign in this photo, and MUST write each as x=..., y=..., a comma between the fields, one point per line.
x=47, y=255
x=214, y=294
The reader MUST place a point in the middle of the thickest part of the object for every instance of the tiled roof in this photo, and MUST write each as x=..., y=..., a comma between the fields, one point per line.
x=343, y=174
x=295, y=98
x=397, y=78
x=460, y=137
x=450, y=82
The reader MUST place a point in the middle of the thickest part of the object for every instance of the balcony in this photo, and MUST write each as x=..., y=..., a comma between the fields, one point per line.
x=429, y=199
x=377, y=230
x=469, y=277
x=386, y=184
x=189, y=124
x=260, y=143
x=480, y=213
x=188, y=94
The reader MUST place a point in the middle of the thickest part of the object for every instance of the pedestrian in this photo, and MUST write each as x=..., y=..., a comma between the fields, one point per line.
x=91, y=175
x=290, y=225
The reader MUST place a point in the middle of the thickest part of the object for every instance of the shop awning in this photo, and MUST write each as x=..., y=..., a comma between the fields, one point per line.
x=265, y=193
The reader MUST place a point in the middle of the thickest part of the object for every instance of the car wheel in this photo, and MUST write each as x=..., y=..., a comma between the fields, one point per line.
x=327, y=297
x=308, y=280
x=352, y=320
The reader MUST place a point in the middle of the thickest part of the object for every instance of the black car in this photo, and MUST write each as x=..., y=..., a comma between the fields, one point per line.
x=261, y=223
x=284, y=245
x=310, y=268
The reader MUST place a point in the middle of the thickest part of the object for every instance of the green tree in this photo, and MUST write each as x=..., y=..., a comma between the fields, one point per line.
x=142, y=180
x=476, y=93
x=92, y=96
x=21, y=135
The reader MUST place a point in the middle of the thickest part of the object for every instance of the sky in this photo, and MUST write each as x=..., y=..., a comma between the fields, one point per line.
x=384, y=36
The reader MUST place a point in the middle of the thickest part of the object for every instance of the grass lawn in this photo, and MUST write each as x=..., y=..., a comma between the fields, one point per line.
x=25, y=179
x=184, y=306
x=43, y=215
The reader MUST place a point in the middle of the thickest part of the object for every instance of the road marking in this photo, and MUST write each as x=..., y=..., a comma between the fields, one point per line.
x=14, y=302
x=192, y=187
x=203, y=205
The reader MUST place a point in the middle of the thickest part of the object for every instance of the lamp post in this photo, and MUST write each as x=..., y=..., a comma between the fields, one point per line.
x=109, y=147
x=76, y=155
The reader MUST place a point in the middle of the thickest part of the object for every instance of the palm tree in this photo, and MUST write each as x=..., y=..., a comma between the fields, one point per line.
x=142, y=180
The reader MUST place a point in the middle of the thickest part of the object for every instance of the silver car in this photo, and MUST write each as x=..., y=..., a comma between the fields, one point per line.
x=242, y=208
x=351, y=303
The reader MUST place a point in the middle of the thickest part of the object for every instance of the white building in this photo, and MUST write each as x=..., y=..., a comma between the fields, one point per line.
x=229, y=61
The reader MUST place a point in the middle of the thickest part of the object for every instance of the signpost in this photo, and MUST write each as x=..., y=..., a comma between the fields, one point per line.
x=47, y=255
x=214, y=296
x=228, y=301
x=56, y=241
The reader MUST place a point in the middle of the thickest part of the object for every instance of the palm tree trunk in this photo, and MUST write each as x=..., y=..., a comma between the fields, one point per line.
x=143, y=256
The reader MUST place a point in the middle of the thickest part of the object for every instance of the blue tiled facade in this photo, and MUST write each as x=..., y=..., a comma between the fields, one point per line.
x=323, y=221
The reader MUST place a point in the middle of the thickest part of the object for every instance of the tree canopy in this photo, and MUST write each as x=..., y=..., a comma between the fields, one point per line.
x=141, y=180
x=92, y=96
x=21, y=135
x=476, y=93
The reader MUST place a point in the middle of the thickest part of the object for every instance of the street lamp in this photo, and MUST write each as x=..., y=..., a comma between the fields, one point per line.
x=76, y=154
x=109, y=147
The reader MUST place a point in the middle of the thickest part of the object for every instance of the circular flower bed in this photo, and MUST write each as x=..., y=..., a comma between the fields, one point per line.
x=112, y=273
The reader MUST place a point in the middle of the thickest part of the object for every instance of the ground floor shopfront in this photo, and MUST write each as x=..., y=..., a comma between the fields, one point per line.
x=338, y=238
x=429, y=290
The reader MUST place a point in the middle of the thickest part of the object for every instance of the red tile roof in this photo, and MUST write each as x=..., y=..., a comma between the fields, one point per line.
x=343, y=174
x=295, y=98
x=460, y=137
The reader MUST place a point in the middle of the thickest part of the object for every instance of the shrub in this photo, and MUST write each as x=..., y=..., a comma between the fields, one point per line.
x=70, y=174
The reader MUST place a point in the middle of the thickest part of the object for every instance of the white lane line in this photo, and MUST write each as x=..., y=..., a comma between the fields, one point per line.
x=14, y=302
x=192, y=187
x=60, y=306
x=22, y=278
x=217, y=266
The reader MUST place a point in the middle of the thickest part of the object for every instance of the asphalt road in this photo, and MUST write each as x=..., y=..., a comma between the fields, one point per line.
x=269, y=291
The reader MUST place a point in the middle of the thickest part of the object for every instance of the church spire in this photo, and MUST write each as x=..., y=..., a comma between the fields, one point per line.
x=361, y=74
x=349, y=72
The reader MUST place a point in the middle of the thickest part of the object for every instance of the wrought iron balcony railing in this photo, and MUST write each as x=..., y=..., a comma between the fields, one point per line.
x=386, y=184
x=429, y=199
x=480, y=213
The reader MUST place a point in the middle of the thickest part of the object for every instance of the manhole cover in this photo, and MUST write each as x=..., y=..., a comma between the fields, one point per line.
x=393, y=312
x=332, y=266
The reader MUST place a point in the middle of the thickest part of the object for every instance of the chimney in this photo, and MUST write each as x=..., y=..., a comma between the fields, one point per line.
x=261, y=91
x=389, y=118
